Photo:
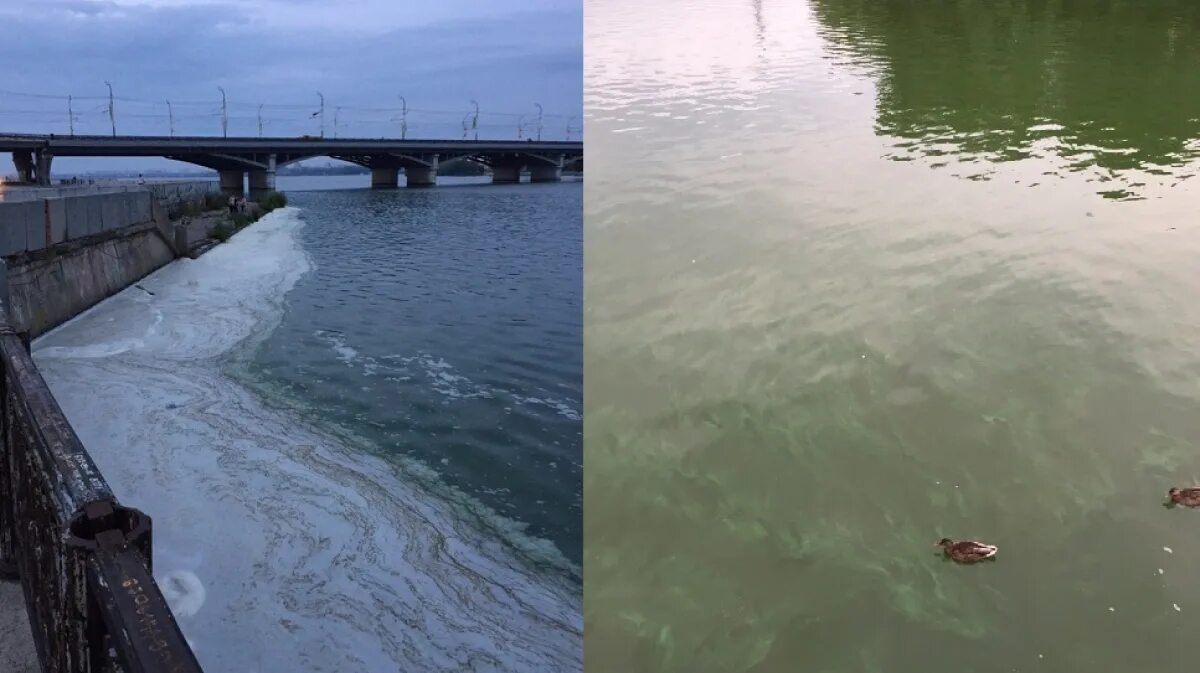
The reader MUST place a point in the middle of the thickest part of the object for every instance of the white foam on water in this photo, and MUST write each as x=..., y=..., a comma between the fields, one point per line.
x=444, y=379
x=558, y=406
x=305, y=555
x=338, y=343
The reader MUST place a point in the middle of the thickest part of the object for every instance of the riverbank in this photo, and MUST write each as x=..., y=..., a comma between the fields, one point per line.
x=66, y=248
x=334, y=550
x=199, y=230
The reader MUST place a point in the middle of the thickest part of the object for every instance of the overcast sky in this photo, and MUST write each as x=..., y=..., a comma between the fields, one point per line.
x=361, y=54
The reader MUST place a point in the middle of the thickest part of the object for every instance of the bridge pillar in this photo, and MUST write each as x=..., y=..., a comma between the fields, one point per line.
x=23, y=160
x=545, y=172
x=231, y=182
x=420, y=176
x=506, y=173
x=262, y=182
x=44, y=158
x=385, y=178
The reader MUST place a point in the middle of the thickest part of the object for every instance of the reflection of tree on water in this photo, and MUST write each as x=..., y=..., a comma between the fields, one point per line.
x=1105, y=86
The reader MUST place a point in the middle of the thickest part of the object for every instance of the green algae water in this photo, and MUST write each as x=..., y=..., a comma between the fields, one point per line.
x=863, y=274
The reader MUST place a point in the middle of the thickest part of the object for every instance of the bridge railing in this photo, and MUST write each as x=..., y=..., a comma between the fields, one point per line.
x=83, y=559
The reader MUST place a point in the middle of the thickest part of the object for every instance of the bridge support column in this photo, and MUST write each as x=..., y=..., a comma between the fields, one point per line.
x=506, y=173
x=262, y=182
x=545, y=173
x=23, y=160
x=44, y=158
x=231, y=182
x=385, y=178
x=420, y=176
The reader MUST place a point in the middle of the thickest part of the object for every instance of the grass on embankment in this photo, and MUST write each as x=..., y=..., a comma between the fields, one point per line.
x=237, y=221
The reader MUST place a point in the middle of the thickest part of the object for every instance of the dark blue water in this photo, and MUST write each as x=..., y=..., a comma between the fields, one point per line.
x=442, y=328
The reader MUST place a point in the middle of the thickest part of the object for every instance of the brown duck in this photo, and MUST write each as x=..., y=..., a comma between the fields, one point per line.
x=1188, y=497
x=967, y=551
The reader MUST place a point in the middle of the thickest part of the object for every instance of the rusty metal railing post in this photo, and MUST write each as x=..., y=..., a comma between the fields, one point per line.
x=83, y=559
x=127, y=613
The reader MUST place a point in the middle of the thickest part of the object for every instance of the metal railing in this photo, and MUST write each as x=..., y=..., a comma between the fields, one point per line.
x=83, y=559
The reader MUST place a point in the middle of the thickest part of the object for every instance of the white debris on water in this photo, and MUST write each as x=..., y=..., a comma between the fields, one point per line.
x=440, y=377
x=292, y=536
x=1176, y=606
x=1168, y=550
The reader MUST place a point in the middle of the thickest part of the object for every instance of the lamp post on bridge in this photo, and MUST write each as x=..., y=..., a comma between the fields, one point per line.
x=224, y=115
x=70, y=116
x=170, y=120
x=475, y=119
x=260, y=120
x=403, y=118
x=569, y=120
x=520, y=126
x=539, y=126
x=321, y=113
x=112, y=117
x=336, y=110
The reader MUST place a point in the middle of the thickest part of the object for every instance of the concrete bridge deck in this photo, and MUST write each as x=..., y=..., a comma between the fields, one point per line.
x=235, y=159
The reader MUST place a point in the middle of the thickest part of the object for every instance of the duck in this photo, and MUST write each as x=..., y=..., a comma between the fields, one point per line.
x=1188, y=497
x=967, y=551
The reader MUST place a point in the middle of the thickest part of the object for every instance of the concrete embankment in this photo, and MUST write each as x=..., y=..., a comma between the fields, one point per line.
x=62, y=251
x=68, y=252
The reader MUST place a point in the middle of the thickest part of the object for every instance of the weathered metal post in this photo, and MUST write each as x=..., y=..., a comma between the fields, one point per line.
x=84, y=560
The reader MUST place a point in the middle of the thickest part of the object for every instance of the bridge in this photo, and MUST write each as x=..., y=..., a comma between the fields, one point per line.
x=258, y=158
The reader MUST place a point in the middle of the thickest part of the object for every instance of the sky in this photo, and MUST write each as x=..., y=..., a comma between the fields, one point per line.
x=362, y=55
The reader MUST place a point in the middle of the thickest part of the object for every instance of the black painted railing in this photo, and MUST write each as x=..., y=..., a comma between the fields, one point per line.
x=83, y=560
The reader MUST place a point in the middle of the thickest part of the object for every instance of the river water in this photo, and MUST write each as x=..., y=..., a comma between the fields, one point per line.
x=357, y=428
x=862, y=274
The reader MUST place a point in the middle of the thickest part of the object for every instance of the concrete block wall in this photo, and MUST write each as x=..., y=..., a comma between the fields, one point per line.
x=173, y=195
x=28, y=226
x=15, y=222
x=76, y=214
x=56, y=217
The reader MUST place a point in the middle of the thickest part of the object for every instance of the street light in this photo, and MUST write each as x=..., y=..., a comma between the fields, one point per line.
x=321, y=113
x=260, y=120
x=475, y=119
x=170, y=120
x=224, y=115
x=539, y=126
x=403, y=118
x=569, y=120
x=336, y=110
x=112, y=117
